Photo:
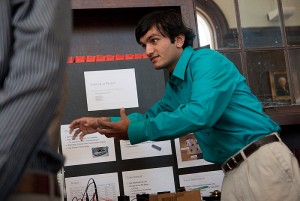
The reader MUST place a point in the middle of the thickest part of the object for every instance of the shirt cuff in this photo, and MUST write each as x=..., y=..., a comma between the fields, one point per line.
x=115, y=119
x=136, y=132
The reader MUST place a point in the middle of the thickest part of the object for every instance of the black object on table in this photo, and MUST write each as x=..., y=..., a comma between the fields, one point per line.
x=211, y=198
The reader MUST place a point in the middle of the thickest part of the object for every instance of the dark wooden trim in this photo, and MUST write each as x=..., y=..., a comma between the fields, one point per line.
x=186, y=7
x=216, y=17
x=284, y=115
x=96, y=4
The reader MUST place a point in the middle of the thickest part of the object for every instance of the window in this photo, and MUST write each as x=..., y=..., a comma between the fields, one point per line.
x=260, y=40
x=204, y=31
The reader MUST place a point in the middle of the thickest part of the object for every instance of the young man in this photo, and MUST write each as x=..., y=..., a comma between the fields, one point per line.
x=206, y=95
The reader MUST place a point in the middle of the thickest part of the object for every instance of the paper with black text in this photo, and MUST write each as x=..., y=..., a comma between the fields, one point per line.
x=107, y=186
x=148, y=181
x=145, y=149
x=94, y=148
x=111, y=89
x=206, y=181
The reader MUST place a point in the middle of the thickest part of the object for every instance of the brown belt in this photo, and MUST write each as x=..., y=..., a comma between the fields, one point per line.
x=237, y=159
x=37, y=183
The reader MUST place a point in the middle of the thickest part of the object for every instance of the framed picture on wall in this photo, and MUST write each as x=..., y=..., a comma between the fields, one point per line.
x=279, y=85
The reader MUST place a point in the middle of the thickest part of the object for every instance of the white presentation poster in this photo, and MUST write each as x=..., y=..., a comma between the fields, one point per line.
x=206, y=181
x=145, y=149
x=111, y=89
x=107, y=186
x=188, y=152
x=94, y=148
x=148, y=181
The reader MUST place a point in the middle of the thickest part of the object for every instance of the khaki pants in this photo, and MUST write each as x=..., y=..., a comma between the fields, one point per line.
x=270, y=174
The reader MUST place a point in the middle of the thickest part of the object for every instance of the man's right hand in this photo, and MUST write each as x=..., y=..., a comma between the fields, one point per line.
x=85, y=125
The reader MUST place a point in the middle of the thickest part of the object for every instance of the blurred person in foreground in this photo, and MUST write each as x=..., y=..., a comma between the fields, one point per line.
x=34, y=43
x=206, y=95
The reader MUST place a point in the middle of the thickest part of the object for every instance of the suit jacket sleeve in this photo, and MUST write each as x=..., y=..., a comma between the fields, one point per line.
x=34, y=42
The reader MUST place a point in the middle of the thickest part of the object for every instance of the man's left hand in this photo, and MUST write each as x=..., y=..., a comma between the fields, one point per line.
x=117, y=130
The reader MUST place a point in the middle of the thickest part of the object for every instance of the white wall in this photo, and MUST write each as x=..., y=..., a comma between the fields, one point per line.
x=254, y=12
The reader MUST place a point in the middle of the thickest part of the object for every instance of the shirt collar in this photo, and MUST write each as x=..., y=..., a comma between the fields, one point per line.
x=182, y=63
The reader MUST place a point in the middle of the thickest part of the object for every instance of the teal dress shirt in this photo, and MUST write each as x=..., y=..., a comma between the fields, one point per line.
x=206, y=95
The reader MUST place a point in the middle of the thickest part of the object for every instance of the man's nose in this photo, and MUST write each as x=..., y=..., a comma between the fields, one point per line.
x=149, y=49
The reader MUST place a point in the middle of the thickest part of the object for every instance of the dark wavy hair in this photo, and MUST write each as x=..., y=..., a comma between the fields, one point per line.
x=168, y=22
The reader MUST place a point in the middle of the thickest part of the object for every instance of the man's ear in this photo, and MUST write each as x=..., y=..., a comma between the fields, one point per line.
x=179, y=41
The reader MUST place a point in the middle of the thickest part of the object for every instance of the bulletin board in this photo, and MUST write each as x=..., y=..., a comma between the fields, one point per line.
x=150, y=86
x=158, y=163
x=154, y=167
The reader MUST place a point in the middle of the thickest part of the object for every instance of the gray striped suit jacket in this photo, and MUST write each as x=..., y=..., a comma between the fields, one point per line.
x=34, y=43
